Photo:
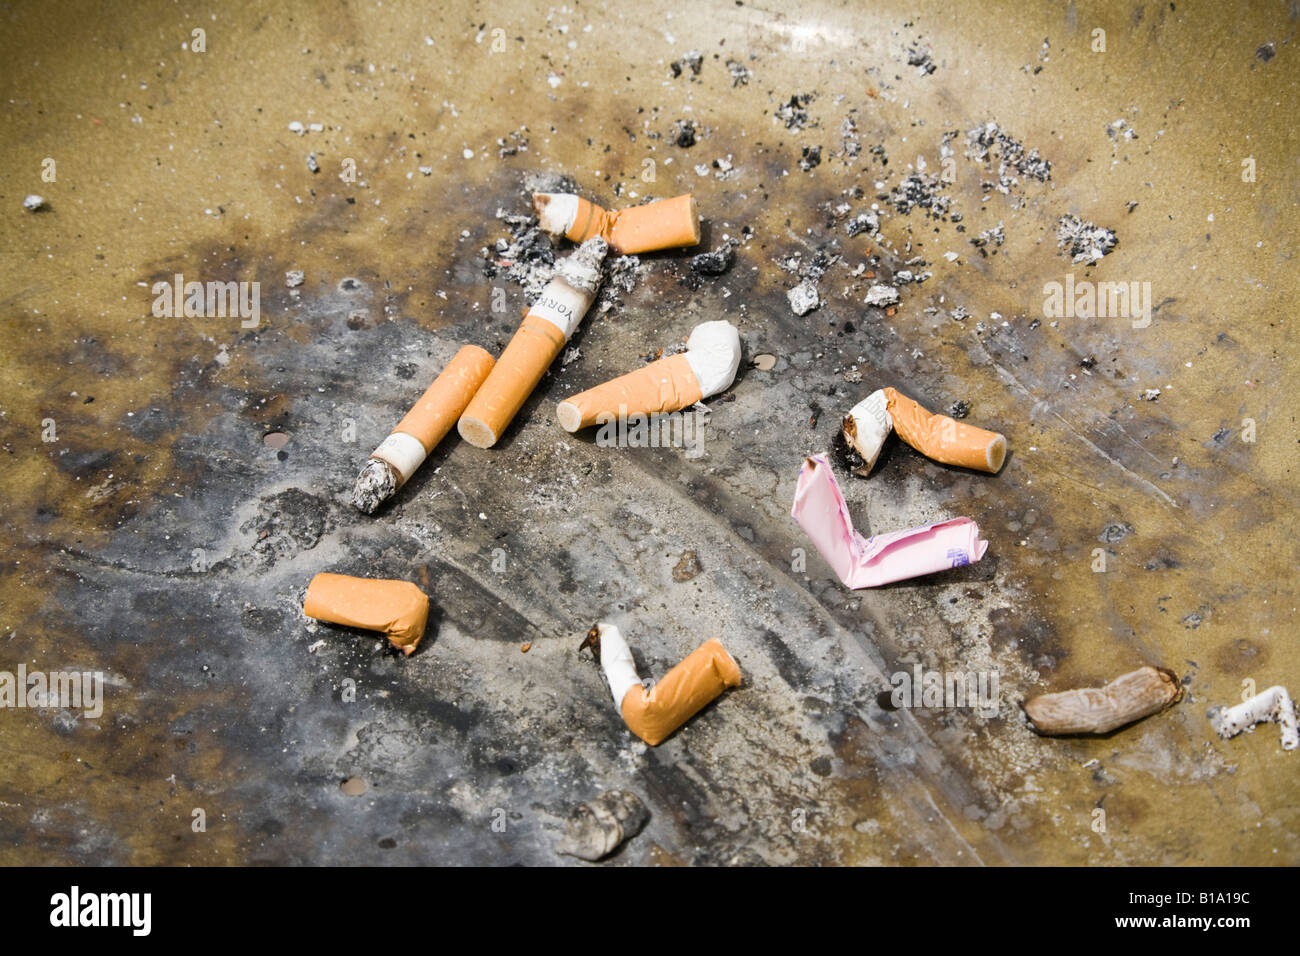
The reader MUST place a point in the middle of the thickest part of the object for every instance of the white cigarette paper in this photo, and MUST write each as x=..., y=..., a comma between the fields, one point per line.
x=1274, y=704
x=866, y=427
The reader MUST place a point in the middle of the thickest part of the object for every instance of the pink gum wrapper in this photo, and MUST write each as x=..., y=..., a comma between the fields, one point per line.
x=870, y=562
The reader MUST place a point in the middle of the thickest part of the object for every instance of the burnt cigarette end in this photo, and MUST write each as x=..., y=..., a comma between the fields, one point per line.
x=1094, y=710
x=375, y=485
x=596, y=829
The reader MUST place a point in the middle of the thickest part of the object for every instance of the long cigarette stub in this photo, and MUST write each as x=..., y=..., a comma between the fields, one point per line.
x=707, y=367
x=545, y=329
x=392, y=464
x=945, y=439
x=397, y=608
x=1099, y=710
x=1273, y=704
x=666, y=224
x=870, y=562
x=684, y=691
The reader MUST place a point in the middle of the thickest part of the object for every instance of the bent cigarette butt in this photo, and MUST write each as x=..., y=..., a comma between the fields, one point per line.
x=596, y=829
x=398, y=608
x=392, y=464
x=1274, y=704
x=655, y=714
x=707, y=367
x=945, y=439
x=1098, y=710
x=881, y=559
x=866, y=427
x=542, y=335
x=665, y=224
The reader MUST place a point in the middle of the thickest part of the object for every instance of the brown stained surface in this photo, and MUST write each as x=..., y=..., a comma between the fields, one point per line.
x=162, y=541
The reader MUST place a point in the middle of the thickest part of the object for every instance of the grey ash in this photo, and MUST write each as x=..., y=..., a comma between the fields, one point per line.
x=375, y=485
x=692, y=60
x=794, y=114
x=811, y=158
x=1084, y=242
x=919, y=191
x=716, y=262
x=988, y=142
x=739, y=73
x=683, y=134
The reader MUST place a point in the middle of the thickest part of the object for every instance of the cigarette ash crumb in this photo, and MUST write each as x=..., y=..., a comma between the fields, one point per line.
x=867, y=222
x=548, y=182
x=527, y=258
x=621, y=275
x=988, y=142
x=693, y=60
x=850, y=143
x=739, y=73
x=959, y=409
x=1120, y=129
x=882, y=296
x=920, y=58
x=516, y=142
x=804, y=297
x=34, y=203
x=683, y=134
x=716, y=262
x=1266, y=52
x=794, y=114
x=375, y=485
x=1084, y=241
x=811, y=158
x=294, y=278
x=989, y=237
x=919, y=190
x=312, y=165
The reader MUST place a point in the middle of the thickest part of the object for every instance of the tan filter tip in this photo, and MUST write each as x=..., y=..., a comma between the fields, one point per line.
x=684, y=691
x=397, y=608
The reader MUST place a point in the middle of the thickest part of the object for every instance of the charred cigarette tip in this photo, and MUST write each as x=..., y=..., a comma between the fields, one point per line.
x=375, y=485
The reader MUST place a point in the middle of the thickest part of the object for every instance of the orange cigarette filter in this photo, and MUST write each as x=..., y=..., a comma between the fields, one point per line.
x=664, y=385
x=398, y=608
x=547, y=326
x=685, y=690
x=437, y=410
x=665, y=224
x=945, y=439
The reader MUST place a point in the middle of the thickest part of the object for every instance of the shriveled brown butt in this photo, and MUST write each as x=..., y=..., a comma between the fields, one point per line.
x=1093, y=710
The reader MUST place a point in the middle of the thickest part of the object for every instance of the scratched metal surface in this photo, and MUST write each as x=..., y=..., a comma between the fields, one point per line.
x=174, y=161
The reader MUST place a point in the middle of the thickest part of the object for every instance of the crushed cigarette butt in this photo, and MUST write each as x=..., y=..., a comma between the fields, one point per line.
x=598, y=828
x=860, y=562
x=1093, y=710
x=655, y=714
x=1274, y=704
x=541, y=337
x=707, y=367
x=398, y=608
x=666, y=224
x=396, y=459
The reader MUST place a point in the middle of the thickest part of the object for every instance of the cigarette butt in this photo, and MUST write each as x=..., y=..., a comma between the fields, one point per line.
x=541, y=337
x=945, y=439
x=398, y=608
x=1098, y=710
x=685, y=690
x=665, y=224
x=707, y=367
x=1273, y=704
x=392, y=464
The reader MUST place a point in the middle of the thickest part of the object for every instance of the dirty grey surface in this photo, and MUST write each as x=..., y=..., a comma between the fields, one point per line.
x=163, y=541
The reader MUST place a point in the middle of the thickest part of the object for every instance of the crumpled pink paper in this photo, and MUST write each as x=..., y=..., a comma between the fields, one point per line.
x=870, y=562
